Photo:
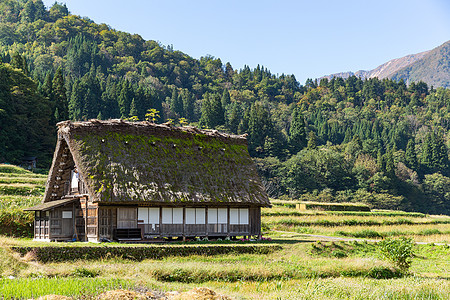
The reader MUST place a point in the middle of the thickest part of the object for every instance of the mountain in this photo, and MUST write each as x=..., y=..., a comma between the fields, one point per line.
x=380, y=142
x=432, y=67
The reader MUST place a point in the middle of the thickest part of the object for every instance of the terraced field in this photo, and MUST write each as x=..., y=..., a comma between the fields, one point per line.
x=372, y=225
x=302, y=266
x=19, y=188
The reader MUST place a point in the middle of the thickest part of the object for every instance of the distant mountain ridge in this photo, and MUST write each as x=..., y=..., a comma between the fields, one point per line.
x=432, y=67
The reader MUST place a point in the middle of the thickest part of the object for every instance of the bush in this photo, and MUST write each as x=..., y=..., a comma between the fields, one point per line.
x=16, y=222
x=398, y=251
x=332, y=206
x=384, y=273
x=70, y=253
x=365, y=233
x=83, y=272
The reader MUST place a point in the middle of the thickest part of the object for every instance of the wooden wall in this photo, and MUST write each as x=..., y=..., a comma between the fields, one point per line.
x=91, y=222
x=199, y=222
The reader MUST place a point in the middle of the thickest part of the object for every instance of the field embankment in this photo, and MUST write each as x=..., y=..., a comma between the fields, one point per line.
x=372, y=225
x=19, y=188
x=287, y=267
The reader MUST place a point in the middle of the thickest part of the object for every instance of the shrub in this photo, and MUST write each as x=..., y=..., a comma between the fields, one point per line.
x=68, y=253
x=384, y=273
x=398, y=251
x=84, y=272
x=365, y=233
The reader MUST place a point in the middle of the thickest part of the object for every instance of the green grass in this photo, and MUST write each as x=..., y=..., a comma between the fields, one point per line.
x=21, y=189
x=287, y=208
x=300, y=270
x=19, y=201
x=4, y=168
x=25, y=288
x=296, y=272
x=30, y=180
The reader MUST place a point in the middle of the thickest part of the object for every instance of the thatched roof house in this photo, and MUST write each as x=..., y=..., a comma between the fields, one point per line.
x=118, y=175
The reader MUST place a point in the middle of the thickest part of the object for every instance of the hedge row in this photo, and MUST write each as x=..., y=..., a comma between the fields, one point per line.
x=70, y=253
x=352, y=222
x=332, y=206
x=296, y=213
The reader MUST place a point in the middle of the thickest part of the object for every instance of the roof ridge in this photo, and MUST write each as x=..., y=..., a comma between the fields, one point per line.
x=66, y=126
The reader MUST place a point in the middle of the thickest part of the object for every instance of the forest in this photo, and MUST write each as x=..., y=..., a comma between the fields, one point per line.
x=380, y=142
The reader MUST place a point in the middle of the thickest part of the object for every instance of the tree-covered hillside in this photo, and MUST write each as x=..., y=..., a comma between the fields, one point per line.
x=376, y=141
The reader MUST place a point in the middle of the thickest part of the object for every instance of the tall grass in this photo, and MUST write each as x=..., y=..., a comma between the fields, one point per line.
x=4, y=168
x=26, y=288
x=21, y=189
x=336, y=220
x=286, y=211
x=28, y=179
x=21, y=202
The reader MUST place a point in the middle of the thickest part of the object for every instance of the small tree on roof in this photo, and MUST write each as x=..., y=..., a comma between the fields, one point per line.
x=152, y=115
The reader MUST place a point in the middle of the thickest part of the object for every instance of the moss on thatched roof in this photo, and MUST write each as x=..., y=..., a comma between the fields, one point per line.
x=125, y=162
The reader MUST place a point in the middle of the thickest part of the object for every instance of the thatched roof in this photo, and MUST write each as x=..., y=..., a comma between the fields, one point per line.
x=130, y=162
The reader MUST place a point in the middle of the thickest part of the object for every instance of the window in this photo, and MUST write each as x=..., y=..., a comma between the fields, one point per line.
x=195, y=215
x=212, y=215
x=148, y=215
x=243, y=216
x=172, y=215
x=167, y=215
x=217, y=216
x=239, y=216
x=67, y=214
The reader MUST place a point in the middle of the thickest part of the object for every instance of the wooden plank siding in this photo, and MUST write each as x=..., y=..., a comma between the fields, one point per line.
x=91, y=222
x=111, y=218
x=42, y=225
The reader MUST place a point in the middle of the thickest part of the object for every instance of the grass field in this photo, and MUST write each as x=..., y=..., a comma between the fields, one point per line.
x=329, y=269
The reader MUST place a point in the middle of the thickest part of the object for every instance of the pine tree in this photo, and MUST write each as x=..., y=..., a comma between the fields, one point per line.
x=381, y=163
x=297, y=131
x=60, y=95
x=40, y=12
x=312, y=141
x=133, y=110
x=176, y=104
x=75, y=103
x=348, y=135
x=260, y=126
x=411, y=156
x=225, y=98
x=206, y=119
x=124, y=99
x=28, y=12
x=390, y=166
x=426, y=158
x=217, y=110
x=188, y=105
x=58, y=11
x=46, y=88
x=234, y=118
x=19, y=62
x=440, y=160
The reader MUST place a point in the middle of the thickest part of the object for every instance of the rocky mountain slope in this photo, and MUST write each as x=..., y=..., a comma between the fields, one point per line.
x=432, y=67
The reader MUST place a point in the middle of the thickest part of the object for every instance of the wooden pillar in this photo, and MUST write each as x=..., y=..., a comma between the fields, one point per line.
x=74, y=218
x=184, y=224
x=160, y=221
x=228, y=221
x=206, y=221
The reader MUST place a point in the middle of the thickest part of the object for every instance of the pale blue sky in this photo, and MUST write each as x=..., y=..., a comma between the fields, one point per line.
x=306, y=38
